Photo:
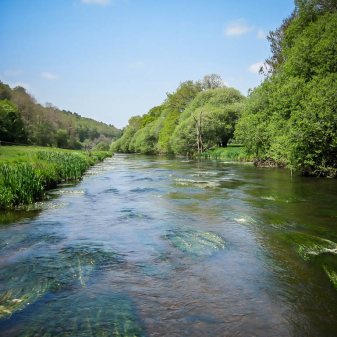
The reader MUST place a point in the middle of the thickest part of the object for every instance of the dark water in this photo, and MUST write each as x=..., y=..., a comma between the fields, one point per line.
x=153, y=246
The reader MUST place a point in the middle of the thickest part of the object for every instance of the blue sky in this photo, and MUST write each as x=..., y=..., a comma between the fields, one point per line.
x=113, y=59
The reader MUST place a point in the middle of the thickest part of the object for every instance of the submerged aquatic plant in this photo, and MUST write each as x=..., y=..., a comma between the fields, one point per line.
x=308, y=246
x=332, y=274
x=19, y=298
x=195, y=242
x=284, y=224
x=107, y=315
x=29, y=279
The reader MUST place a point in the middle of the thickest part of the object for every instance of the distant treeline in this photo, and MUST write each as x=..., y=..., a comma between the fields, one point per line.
x=289, y=120
x=23, y=120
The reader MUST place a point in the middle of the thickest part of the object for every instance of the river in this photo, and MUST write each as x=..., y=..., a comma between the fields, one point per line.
x=160, y=246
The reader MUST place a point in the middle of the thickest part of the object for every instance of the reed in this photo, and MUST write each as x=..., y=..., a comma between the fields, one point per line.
x=24, y=183
x=19, y=184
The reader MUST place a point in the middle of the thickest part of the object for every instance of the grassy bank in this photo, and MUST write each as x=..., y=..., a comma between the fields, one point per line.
x=25, y=172
x=232, y=152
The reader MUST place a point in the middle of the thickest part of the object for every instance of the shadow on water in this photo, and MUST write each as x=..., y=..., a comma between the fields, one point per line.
x=163, y=246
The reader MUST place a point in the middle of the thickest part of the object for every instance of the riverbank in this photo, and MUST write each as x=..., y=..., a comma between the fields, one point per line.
x=26, y=172
x=231, y=152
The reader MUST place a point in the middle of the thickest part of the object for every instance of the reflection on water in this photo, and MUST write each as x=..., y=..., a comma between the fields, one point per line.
x=158, y=246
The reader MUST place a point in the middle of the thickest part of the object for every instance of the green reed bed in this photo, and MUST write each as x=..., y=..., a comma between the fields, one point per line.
x=231, y=153
x=23, y=183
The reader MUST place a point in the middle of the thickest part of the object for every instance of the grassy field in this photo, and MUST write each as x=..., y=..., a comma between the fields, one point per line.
x=232, y=152
x=25, y=172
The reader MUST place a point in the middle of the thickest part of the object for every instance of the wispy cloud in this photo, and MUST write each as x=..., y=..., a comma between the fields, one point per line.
x=261, y=34
x=237, y=28
x=97, y=2
x=255, y=68
x=12, y=72
x=49, y=76
x=138, y=64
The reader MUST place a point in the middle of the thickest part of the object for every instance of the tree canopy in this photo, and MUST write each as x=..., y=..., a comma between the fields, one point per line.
x=291, y=117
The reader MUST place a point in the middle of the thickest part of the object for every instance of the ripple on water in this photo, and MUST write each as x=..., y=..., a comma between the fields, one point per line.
x=282, y=199
x=143, y=190
x=111, y=190
x=196, y=183
x=131, y=214
x=68, y=192
x=42, y=205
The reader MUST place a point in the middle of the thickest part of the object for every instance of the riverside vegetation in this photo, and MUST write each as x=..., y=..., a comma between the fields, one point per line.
x=289, y=120
x=26, y=172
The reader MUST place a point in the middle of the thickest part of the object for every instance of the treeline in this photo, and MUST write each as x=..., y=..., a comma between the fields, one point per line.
x=194, y=118
x=23, y=120
x=289, y=120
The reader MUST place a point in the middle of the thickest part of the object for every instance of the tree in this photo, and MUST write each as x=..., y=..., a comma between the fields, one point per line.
x=102, y=146
x=11, y=125
x=152, y=115
x=175, y=104
x=5, y=92
x=61, y=138
x=135, y=123
x=291, y=117
x=211, y=116
x=212, y=81
x=198, y=129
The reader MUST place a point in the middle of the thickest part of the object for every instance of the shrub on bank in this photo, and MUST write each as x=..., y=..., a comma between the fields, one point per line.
x=236, y=153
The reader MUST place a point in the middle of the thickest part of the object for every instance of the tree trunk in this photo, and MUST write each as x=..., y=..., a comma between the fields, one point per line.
x=198, y=131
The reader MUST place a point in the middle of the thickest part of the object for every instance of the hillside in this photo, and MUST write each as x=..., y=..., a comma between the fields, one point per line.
x=24, y=120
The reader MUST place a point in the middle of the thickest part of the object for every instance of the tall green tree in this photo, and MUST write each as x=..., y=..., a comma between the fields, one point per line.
x=11, y=125
x=292, y=117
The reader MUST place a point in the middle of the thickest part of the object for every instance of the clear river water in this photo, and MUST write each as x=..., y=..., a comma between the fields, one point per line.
x=160, y=246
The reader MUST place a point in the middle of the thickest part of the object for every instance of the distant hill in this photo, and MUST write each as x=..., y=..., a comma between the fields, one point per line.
x=24, y=120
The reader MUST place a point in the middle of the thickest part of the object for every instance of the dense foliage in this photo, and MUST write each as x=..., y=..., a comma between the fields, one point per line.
x=291, y=118
x=171, y=127
x=23, y=120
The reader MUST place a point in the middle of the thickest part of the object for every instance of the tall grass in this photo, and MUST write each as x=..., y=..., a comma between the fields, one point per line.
x=24, y=183
x=68, y=166
x=231, y=153
x=19, y=184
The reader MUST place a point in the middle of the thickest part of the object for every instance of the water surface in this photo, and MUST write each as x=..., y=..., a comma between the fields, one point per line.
x=158, y=246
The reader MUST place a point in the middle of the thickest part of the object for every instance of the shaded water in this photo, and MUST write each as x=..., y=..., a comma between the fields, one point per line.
x=157, y=246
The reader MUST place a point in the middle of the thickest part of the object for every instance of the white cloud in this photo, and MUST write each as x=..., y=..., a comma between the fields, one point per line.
x=138, y=64
x=255, y=68
x=49, y=76
x=237, y=28
x=12, y=72
x=97, y=2
x=261, y=34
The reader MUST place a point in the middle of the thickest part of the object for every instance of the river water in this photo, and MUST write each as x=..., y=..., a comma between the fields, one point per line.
x=159, y=246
